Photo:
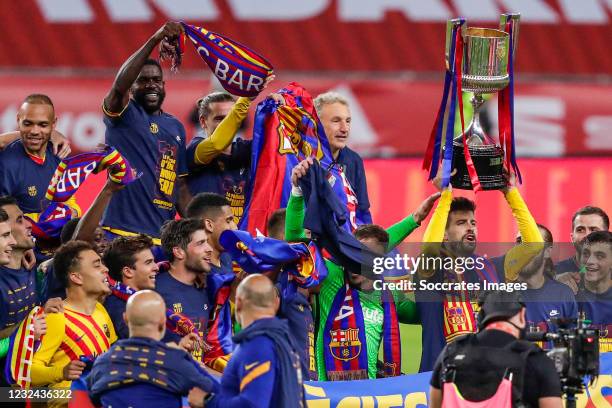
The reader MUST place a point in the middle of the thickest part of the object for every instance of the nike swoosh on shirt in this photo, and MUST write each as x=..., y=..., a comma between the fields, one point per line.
x=249, y=366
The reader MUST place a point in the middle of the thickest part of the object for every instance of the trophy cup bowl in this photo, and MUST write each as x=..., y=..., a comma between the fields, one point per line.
x=484, y=71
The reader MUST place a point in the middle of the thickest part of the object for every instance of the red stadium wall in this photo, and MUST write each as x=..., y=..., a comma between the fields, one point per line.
x=556, y=37
x=390, y=117
x=553, y=190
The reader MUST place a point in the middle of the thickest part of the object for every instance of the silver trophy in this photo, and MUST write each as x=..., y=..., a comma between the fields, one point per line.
x=484, y=71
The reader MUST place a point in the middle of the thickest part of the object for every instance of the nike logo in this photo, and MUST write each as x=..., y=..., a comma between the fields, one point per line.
x=553, y=313
x=249, y=366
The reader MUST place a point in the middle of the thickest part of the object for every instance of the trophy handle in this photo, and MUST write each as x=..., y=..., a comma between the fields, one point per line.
x=514, y=19
x=451, y=25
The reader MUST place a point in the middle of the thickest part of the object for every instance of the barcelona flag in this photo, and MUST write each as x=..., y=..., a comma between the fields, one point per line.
x=240, y=71
x=284, y=135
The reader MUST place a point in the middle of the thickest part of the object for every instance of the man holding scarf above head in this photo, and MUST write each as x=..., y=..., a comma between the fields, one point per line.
x=347, y=343
x=452, y=233
x=264, y=370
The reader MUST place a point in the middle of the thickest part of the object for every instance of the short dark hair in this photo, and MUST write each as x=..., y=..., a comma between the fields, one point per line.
x=68, y=230
x=276, y=223
x=3, y=216
x=122, y=252
x=151, y=61
x=590, y=210
x=7, y=200
x=547, y=236
x=598, y=237
x=66, y=259
x=204, y=102
x=206, y=205
x=177, y=233
x=462, y=204
x=372, y=231
x=39, y=99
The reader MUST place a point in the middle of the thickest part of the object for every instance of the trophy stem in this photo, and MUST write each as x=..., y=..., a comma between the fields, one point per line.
x=474, y=133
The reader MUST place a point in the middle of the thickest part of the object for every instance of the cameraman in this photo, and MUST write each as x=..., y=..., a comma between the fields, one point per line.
x=478, y=363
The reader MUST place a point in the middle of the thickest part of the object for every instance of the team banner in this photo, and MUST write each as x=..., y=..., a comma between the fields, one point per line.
x=240, y=71
x=283, y=135
x=413, y=391
x=70, y=174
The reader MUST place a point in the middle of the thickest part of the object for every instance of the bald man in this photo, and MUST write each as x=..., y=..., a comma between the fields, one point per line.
x=141, y=371
x=264, y=370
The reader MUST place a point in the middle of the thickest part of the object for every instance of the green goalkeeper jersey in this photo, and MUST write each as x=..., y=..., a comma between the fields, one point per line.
x=371, y=304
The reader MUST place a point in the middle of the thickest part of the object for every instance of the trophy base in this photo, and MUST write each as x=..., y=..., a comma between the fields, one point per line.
x=488, y=161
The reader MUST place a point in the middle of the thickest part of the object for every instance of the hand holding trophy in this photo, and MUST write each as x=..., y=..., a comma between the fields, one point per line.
x=478, y=60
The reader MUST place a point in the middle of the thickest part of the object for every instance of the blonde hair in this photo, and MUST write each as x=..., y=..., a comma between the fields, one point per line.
x=329, y=98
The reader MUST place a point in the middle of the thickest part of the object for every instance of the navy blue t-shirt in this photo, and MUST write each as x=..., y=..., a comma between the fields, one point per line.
x=115, y=308
x=226, y=175
x=155, y=146
x=598, y=309
x=552, y=300
x=567, y=265
x=24, y=179
x=352, y=164
x=187, y=300
x=17, y=295
x=430, y=308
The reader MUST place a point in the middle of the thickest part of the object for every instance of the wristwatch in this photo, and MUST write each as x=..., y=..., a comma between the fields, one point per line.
x=208, y=397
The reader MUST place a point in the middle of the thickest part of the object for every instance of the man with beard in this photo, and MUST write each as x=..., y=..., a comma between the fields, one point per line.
x=186, y=244
x=595, y=298
x=215, y=212
x=130, y=261
x=353, y=318
x=84, y=328
x=27, y=164
x=265, y=370
x=585, y=221
x=545, y=298
x=152, y=140
x=452, y=234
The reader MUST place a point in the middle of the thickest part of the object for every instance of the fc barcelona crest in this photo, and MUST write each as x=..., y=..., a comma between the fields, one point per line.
x=456, y=316
x=345, y=344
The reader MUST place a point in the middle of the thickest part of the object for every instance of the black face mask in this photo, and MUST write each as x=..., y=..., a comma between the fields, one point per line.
x=522, y=332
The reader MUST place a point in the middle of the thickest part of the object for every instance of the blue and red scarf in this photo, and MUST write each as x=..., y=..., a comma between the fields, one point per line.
x=175, y=322
x=70, y=174
x=344, y=338
x=218, y=340
x=22, y=347
x=240, y=70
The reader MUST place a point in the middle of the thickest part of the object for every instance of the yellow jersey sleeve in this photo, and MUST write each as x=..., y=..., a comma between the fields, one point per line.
x=104, y=319
x=532, y=241
x=45, y=371
x=223, y=135
x=437, y=224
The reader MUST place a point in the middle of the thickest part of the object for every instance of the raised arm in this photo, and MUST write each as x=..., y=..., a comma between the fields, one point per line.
x=117, y=98
x=400, y=230
x=531, y=239
x=294, y=217
x=86, y=228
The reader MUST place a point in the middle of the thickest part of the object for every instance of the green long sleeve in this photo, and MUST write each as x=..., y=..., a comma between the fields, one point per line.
x=4, y=346
x=294, y=219
x=400, y=230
